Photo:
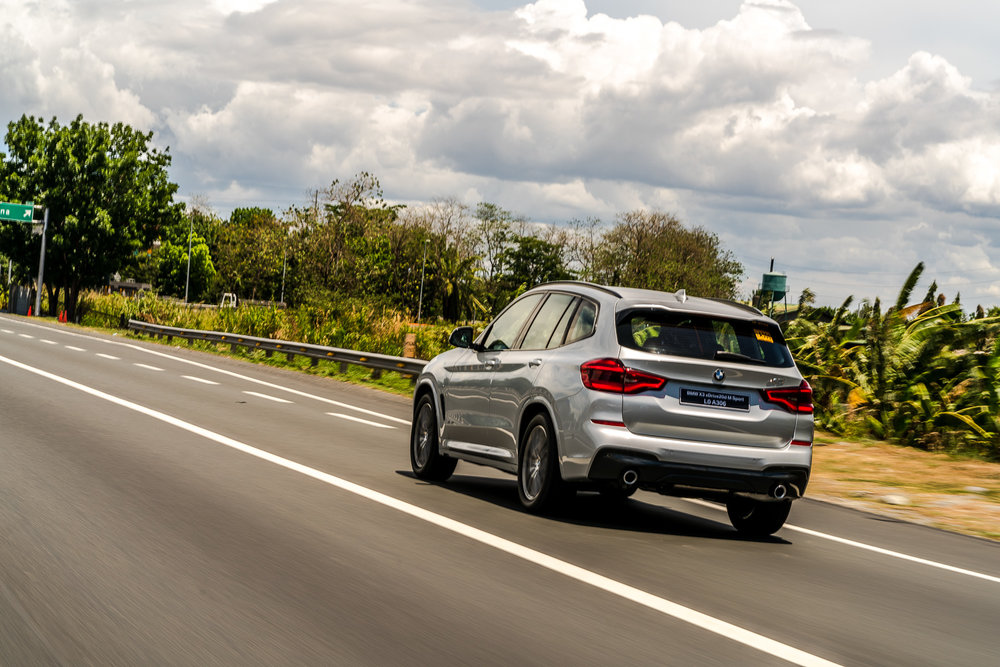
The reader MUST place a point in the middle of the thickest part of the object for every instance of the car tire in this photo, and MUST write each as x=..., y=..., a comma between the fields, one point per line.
x=539, y=484
x=755, y=518
x=425, y=459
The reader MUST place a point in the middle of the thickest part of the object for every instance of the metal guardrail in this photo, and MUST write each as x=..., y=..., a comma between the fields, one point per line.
x=377, y=362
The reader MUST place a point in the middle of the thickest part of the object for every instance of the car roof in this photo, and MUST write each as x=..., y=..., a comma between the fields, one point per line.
x=631, y=297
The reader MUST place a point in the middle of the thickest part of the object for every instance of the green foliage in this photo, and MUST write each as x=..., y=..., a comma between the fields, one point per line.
x=920, y=375
x=107, y=192
x=654, y=250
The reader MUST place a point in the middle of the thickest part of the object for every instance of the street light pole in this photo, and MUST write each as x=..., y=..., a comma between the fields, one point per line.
x=187, y=281
x=41, y=265
x=420, y=303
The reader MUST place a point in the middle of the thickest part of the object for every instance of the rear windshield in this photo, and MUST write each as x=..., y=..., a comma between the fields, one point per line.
x=703, y=337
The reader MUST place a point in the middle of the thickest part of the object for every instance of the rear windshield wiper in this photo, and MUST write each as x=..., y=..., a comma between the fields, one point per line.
x=722, y=355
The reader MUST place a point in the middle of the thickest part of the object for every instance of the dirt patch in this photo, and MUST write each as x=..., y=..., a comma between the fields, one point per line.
x=938, y=490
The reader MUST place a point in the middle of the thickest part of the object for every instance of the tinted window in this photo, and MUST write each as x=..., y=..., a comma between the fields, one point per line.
x=582, y=324
x=505, y=328
x=703, y=337
x=542, y=332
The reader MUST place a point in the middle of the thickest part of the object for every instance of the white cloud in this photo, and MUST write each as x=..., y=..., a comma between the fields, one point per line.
x=757, y=126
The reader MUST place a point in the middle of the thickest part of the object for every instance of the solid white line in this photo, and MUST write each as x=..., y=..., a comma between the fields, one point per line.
x=75, y=349
x=108, y=356
x=359, y=420
x=246, y=378
x=270, y=398
x=869, y=547
x=48, y=342
x=202, y=380
x=148, y=367
x=664, y=606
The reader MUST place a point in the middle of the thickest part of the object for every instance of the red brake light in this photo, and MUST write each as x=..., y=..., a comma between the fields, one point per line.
x=797, y=400
x=612, y=375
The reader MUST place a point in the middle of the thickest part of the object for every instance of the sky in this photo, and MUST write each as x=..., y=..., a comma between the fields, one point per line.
x=848, y=140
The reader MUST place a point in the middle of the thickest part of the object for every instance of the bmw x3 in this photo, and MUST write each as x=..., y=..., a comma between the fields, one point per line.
x=583, y=386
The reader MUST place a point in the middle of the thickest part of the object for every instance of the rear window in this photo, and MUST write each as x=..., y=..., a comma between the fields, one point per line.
x=703, y=337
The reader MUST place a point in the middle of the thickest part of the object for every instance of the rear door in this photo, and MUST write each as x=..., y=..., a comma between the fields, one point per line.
x=717, y=369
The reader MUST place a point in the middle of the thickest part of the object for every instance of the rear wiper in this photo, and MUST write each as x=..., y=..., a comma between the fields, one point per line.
x=722, y=355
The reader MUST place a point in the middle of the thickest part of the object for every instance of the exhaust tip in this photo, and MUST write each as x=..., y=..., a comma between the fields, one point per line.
x=779, y=491
x=630, y=478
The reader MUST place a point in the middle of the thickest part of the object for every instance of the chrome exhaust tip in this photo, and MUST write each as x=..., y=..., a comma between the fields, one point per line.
x=630, y=478
x=779, y=492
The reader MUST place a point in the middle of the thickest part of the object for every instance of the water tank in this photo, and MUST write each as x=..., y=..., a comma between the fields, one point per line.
x=776, y=283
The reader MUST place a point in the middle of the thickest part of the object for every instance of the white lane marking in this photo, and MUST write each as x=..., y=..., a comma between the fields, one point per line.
x=246, y=378
x=7, y=331
x=869, y=547
x=359, y=420
x=108, y=356
x=48, y=342
x=148, y=367
x=25, y=335
x=75, y=349
x=197, y=379
x=662, y=605
x=265, y=396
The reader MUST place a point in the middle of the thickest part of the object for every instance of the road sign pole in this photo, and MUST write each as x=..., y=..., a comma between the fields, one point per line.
x=41, y=265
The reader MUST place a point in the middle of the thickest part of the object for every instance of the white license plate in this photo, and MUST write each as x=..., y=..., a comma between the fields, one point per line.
x=724, y=400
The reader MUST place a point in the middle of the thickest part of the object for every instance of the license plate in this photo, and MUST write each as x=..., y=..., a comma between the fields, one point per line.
x=715, y=399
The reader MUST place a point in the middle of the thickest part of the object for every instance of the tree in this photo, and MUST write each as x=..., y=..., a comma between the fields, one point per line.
x=654, y=250
x=530, y=261
x=250, y=254
x=107, y=192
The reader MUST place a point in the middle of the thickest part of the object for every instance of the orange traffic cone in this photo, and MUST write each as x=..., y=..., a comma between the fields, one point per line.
x=29, y=311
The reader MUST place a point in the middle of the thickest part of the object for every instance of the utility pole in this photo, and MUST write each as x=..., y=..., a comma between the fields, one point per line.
x=41, y=265
x=420, y=303
x=187, y=281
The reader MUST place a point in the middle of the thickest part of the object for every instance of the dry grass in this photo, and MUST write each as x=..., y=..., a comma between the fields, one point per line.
x=961, y=495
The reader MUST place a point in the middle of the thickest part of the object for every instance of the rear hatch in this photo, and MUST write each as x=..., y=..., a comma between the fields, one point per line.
x=728, y=381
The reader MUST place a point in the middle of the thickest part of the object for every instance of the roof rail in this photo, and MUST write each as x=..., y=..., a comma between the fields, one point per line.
x=581, y=283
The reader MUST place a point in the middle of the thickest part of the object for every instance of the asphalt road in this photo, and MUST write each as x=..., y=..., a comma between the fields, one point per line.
x=163, y=506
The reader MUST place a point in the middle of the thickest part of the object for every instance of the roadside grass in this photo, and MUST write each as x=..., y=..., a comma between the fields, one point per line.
x=931, y=488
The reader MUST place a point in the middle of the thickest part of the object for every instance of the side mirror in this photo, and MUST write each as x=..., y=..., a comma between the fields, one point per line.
x=461, y=337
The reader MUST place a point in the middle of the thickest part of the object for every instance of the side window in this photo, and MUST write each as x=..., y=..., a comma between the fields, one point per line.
x=541, y=332
x=583, y=321
x=504, y=330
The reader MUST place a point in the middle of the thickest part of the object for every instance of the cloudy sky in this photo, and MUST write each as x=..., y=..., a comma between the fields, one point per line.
x=848, y=140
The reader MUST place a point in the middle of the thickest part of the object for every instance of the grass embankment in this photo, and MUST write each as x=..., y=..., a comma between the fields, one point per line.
x=934, y=489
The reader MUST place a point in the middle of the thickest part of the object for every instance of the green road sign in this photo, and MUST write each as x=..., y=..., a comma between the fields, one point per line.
x=17, y=212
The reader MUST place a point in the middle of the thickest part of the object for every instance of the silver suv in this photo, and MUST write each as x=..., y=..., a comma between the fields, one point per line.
x=577, y=385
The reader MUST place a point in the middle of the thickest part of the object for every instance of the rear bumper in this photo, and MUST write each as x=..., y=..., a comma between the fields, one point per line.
x=681, y=479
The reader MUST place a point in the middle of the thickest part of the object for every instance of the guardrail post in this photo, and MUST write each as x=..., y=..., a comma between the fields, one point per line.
x=343, y=366
x=290, y=356
x=314, y=362
x=376, y=373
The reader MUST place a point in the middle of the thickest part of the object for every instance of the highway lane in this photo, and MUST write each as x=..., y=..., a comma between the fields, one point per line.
x=134, y=540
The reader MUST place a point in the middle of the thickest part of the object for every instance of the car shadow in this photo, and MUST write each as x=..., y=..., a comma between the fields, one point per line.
x=589, y=508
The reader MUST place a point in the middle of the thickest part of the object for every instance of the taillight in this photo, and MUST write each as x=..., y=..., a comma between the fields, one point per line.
x=798, y=400
x=612, y=375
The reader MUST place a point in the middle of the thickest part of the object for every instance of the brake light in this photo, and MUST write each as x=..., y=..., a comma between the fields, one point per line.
x=797, y=400
x=612, y=375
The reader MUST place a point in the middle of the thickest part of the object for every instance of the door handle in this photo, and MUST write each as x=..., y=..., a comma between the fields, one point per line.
x=534, y=363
